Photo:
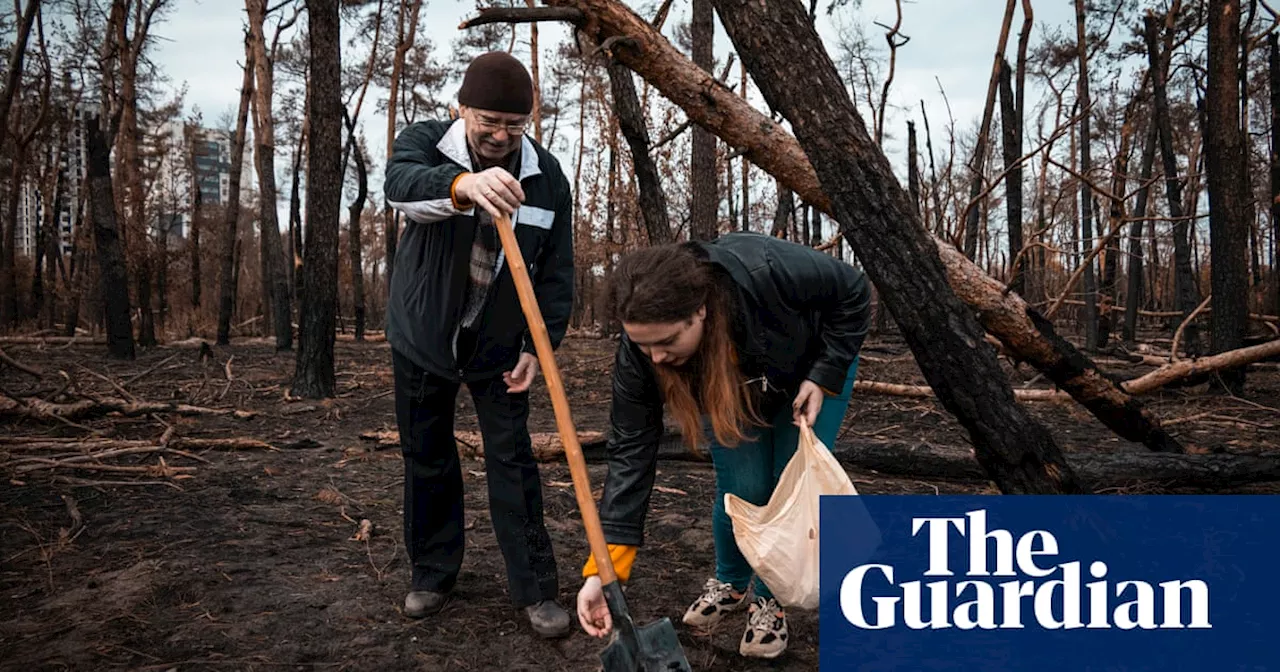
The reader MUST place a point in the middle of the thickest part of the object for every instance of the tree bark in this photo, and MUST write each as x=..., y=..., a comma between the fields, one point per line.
x=777, y=152
x=782, y=216
x=1184, y=291
x=705, y=200
x=314, y=375
x=1086, y=192
x=877, y=219
x=113, y=279
x=653, y=201
x=231, y=214
x=1273, y=71
x=274, y=280
x=355, y=238
x=1011, y=126
x=978, y=165
x=1229, y=191
x=913, y=167
x=1133, y=291
x=1115, y=222
x=13, y=79
x=406, y=29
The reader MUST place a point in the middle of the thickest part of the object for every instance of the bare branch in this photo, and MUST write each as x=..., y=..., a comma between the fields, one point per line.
x=523, y=15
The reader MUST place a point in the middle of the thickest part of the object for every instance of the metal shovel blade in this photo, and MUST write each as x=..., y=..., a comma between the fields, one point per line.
x=647, y=648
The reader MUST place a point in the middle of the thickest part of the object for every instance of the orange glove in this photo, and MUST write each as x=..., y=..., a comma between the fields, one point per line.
x=623, y=558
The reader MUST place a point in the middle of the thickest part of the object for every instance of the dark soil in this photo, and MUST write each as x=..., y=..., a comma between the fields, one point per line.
x=246, y=565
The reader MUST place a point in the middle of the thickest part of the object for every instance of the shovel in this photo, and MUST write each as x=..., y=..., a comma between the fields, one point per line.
x=634, y=648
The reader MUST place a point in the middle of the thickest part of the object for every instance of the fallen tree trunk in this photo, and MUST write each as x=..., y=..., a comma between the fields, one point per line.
x=1191, y=367
x=926, y=392
x=1165, y=375
x=769, y=146
x=1095, y=470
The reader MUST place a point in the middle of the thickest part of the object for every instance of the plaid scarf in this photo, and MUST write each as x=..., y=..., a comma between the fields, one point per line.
x=484, y=256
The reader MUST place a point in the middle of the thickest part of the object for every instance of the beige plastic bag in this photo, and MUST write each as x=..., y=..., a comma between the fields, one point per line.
x=780, y=539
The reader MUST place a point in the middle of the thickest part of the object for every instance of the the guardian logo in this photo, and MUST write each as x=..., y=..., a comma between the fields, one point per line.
x=1028, y=586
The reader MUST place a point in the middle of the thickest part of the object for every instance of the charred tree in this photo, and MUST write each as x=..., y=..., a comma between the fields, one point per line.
x=1133, y=288
x=1011, y=136
x=1086, y=192
x=230, y=226
x=653, y=201
x=1229, y=193
x=406, y=29
x=1273, y=72
x=978, y=165
x=314, y=374
x=782, y=216
x=355, y=237
x=106, y=232
x=705, y=199
x=275, y=283
x=1184, y=291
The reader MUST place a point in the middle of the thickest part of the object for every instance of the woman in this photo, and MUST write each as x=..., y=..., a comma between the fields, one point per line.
x=741, y=339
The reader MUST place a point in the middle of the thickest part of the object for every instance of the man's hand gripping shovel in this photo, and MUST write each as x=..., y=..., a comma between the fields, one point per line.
x=646, y=648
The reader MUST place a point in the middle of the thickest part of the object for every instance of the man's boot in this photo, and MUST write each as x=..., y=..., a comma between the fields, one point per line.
x=549, y=619
x=420, y=603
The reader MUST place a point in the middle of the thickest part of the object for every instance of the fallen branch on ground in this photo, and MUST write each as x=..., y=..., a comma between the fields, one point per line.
x=29, y=370
x=35, y=408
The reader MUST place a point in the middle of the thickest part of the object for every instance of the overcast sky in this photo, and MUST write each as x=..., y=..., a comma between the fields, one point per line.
x=952, y=43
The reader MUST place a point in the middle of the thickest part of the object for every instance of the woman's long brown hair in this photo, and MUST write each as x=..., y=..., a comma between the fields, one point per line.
x=669, y=283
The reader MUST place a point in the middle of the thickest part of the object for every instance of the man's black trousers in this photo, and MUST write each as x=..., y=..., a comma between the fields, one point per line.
x=433, y=505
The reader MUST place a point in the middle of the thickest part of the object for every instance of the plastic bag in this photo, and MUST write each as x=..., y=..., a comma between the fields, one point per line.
x=780, y=539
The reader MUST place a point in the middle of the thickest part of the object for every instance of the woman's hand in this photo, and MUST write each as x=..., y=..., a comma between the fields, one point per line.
x=807, y=404
x=593, y=611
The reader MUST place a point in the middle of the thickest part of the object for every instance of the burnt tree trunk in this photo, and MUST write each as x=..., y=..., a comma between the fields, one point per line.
x=1086, y=193
x=230, y=226
x=704, y=204
x=1184, y=291
x=913, y=168
x=106, y=232
x=782, y=216
x=1273, y=71
x=314, y=375
x=1019, y=327
x=877, y=219
x=1133, y=289
x=1011, y=136
x=406, y=29
x=355, y=238
x=1229, y=193
x=294, y=253
x=978, y=166
x=653, y=201
x=275, y=283
x=1115, y=223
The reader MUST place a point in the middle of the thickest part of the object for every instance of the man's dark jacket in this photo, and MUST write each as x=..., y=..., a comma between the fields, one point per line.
x=799, y=315
x=428, y=287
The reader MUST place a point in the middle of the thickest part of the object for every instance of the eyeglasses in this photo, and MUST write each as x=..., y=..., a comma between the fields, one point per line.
x=493, y=126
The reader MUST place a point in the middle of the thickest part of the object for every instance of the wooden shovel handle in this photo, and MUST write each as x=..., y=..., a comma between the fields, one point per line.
x=555, y=386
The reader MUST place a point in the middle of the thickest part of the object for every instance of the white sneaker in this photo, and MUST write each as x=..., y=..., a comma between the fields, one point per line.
x=710, y=608
x=766, y=634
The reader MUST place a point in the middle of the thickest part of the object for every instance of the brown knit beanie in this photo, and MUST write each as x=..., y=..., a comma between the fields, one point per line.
x=497, y=82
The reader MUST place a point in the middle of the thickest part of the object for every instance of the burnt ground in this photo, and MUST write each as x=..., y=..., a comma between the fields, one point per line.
x=250, y=562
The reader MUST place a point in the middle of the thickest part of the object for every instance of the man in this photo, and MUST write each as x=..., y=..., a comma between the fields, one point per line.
x=454, y=317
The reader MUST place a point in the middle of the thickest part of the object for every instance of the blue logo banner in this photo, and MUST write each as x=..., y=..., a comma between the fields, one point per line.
x=1050, y=583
